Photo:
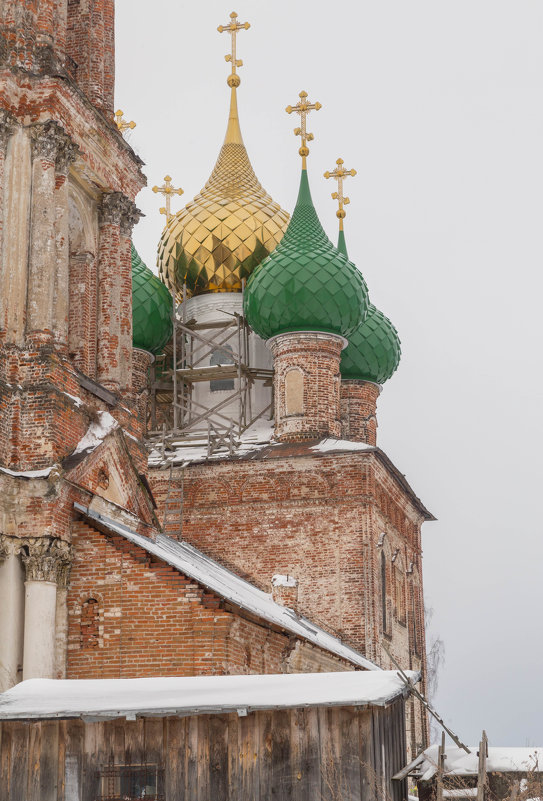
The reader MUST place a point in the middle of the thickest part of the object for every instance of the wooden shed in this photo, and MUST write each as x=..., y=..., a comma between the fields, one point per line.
x=320, y=737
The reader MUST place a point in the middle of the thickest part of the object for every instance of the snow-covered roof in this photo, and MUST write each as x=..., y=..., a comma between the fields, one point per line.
x=500, y=760
x=193, y=563
x=193, y=695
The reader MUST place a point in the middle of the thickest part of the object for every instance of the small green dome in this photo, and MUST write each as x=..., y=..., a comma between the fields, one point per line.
x=374, y=350
x=151, y=308
x=306, y=284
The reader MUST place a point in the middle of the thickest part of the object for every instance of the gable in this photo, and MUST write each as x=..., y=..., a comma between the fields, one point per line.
x=109, y=473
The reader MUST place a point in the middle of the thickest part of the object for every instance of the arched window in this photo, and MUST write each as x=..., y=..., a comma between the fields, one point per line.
x=384, y=591
x=90, y=624
x=400, y=594
x=294, y=392
x=223, y=355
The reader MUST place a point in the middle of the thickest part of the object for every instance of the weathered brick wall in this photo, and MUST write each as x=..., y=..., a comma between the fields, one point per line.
x=316, y=517
x=306, y=385
x=359, y=410
x=91, y=45
x=153, y=621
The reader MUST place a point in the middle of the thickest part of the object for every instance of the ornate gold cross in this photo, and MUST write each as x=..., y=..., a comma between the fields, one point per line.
x=340, y=174
x=121, y=123
x=167, y=190
x=233, y=28
x=303, y=107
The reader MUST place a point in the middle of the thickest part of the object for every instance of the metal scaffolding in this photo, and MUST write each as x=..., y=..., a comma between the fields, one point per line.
x=176, y=415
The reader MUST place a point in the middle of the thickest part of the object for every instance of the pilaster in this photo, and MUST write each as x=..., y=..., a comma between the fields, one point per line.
x=117, y=217
x=50, y=145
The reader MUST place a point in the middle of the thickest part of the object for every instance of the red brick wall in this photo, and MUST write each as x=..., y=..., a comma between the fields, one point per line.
x=153, y=621
x=318, y=518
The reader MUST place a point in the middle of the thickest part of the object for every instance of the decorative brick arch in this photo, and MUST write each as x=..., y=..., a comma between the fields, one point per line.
x=88, y=612
x=209, y=492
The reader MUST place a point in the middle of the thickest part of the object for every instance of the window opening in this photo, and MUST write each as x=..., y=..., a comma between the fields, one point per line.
x=223, y=355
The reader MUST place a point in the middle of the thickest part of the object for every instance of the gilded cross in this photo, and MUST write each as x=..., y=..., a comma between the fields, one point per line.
x=303, y=107
x=121, y=123
x=340, y=173
x=233, y=28
x=167, y=190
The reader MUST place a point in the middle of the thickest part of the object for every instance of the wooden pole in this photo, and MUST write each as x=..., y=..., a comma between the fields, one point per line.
x=440, y=769
x=481, y=774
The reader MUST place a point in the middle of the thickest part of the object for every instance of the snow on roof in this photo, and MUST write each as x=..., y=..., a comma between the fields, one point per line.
x=500, y=760
x=331, y=444
x=193, y=695
x=259, y=435
x=27, y=473
x=193, y=563
x=96, y=433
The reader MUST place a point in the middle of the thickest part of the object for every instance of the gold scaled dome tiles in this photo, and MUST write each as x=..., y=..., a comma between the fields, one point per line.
x=218, y=239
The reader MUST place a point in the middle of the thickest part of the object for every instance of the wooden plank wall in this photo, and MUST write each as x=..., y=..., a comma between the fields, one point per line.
x=317, y=754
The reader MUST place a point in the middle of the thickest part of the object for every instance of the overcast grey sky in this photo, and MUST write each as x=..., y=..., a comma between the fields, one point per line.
x=438, y=105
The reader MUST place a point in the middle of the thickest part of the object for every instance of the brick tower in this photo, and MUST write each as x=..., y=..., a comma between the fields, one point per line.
x=68, y=182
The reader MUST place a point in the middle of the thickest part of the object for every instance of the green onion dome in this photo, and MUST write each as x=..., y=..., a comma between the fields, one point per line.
x=151, y=308
x=374, y=351
x=306, y=284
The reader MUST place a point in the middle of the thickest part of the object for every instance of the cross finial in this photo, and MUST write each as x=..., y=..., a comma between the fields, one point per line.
x=121, y=123
x=340, y=173
x=303, y=107
x=167, y=190
x=233, y=29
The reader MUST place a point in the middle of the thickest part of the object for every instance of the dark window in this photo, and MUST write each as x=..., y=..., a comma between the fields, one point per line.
x=131, y=782
x=222, y=355
x=384, y=590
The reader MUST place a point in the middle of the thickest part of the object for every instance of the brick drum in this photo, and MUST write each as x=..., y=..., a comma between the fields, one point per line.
x=306, y=406
x=359, y=410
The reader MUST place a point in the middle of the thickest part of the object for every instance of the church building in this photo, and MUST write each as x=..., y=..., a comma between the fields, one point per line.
x=191, y=488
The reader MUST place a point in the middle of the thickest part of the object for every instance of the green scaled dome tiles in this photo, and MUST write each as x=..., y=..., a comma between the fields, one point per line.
x=374, y=350
x=306, y=284
x=151, y=308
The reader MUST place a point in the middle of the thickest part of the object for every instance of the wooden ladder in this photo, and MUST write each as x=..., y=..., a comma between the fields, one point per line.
x=172, y=523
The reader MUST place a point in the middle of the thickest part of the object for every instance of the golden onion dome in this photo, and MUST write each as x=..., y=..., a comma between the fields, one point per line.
x=218, y=239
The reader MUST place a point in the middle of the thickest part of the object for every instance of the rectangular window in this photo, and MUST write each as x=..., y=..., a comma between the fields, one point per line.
x=131, y=782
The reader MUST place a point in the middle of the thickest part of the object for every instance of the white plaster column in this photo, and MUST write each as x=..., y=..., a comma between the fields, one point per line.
x=66, y=155
x=46, y=139
x=61, y=619
x=15, y=213
x=11, y=613
x=43, y=559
